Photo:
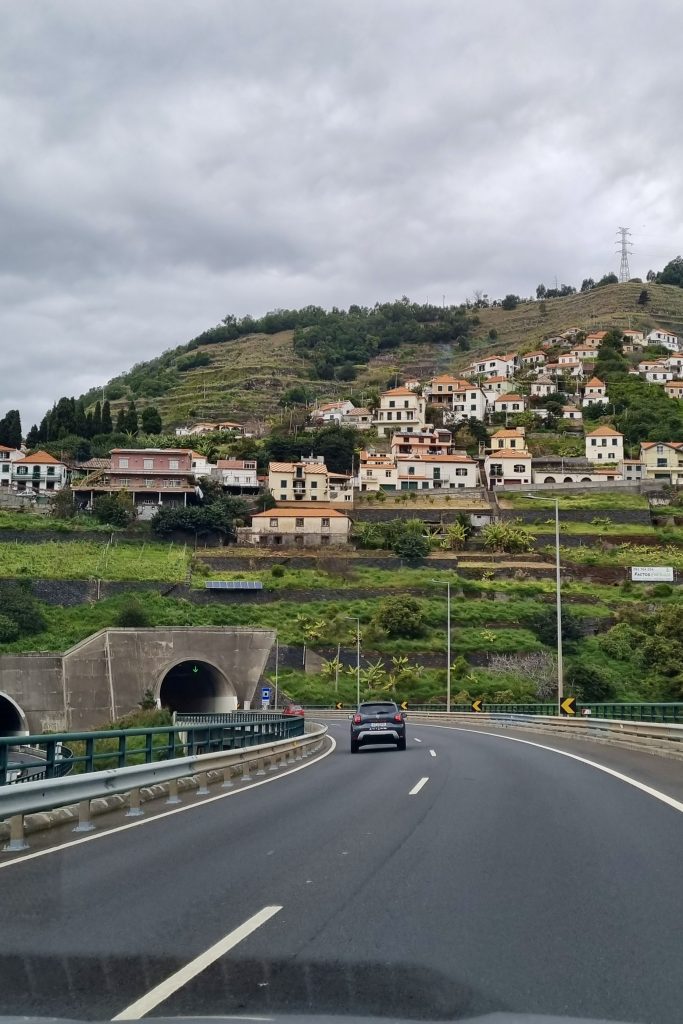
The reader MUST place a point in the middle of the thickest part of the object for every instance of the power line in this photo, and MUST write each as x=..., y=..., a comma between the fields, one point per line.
x=624, y=270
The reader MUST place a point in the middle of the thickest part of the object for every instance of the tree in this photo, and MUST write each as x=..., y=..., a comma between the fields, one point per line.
x=510, y=301
x=347, y=371
x=400, y=617
x=107, y=425
x=455, y=537
x=96, y=422
x=62, y=505
x=607, y=279
x=672, y=273
x=510, y=537
x=115, y=509
x=121, y=421
x=644, y=297
x=131, y=422
x=297, y=395
x=410, y=539
x=650, y=276
x=544, y=625
x=33, y=437
x=589, y=683
x=541, y=291
x=587, y=284
x=10, y=429
x=151, y=420
x=493, y=334
x=19, y=605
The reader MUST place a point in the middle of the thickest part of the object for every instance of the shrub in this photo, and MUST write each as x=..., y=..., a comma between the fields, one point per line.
x=62, y=505
x=277, y=571
x=400, y=617
x=114, y=509
x=588, y=683
x=133, y=613
x=20, y=606
x=9, y=630
x=661, y=590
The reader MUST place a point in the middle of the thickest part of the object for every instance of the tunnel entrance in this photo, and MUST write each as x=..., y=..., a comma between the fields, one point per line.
x=195, y=687
x=12, y=719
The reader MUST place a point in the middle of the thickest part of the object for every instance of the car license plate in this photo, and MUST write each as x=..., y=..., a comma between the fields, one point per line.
x=378, y=725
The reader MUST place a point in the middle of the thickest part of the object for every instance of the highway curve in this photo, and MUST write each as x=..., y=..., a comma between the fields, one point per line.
x=513, y=878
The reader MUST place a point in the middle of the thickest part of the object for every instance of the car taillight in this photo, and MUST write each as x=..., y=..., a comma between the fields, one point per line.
x=357, y=719
x=397, y=718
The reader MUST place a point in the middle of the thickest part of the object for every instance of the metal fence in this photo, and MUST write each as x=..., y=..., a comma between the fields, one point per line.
x=65, y=753
x=635, y=712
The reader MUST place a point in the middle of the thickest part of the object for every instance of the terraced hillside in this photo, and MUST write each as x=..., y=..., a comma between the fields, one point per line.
x=246, y=378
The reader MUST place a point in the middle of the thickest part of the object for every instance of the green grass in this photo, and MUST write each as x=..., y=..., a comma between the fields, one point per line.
x=672, y=534
x=90, y=559
x=623, y=554
x=600, y=501
x=30, y=522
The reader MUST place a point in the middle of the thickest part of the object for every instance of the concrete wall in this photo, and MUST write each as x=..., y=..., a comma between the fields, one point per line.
x=106, y=675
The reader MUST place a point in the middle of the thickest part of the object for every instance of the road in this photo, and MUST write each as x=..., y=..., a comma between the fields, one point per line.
x=513, y=878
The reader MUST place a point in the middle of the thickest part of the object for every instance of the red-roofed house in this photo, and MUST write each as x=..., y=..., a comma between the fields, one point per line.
x=7, y=457
x=237, y=474
x=297, y=527
x=40, y=473
x=663, y=460
x=605, y=444
x=153, y=476
x=508, y=468
x=596, y=391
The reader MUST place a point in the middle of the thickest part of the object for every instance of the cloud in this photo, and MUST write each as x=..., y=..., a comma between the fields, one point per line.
x=164, y=164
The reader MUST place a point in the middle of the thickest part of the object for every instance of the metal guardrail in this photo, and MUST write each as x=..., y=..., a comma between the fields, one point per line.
x=119, y=748
x=634, y=712
x=49, y=794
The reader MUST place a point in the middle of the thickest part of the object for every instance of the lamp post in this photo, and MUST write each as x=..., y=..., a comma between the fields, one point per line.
x=448, y=643
x=277, y=660
x=558, y=598
x=356, y=619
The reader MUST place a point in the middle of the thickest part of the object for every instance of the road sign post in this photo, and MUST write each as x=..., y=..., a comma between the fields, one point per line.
x=265, y=696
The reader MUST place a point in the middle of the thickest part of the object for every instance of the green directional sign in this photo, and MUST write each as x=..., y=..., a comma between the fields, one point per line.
x=195, y=669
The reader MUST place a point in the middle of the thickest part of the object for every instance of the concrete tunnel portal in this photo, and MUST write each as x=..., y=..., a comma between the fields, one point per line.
x=195, y=687
x=12, y=718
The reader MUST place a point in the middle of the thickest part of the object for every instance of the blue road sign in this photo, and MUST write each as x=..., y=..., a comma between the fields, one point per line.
x=265, y=693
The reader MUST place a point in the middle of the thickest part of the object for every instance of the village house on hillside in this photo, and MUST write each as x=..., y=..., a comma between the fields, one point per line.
x=210, y=428
x=153, y=476
x=605, y=444
x=297, y=527
x=39, y=473
x=399, y=408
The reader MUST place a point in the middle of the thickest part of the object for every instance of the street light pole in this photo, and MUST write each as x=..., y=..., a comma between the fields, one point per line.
x=558, y=599
x=448, y=643
x=277, y=659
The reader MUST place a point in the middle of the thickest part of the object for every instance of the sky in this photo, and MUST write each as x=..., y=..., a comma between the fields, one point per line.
x=166, y=162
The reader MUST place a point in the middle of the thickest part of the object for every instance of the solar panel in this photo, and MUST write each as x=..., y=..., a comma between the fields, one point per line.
x=233, y=585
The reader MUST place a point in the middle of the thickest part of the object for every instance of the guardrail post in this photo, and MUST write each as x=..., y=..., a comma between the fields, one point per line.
x=227, y=779
x=134, y=808
x=203, y=789
x=246, y=777
x=84, y=822
x=274, y=759
x=261, y=766
x=17, y=841
x=173, y=797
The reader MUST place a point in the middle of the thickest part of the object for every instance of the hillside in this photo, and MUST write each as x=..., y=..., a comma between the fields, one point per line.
x=245, y=378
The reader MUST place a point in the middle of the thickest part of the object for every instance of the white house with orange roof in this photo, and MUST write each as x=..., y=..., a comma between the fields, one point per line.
x=459, y=398
x=494, y=366
x=570, y=412
x=399, y=409
x=497, y=386
x=39, y=473
x=440, y=390
x=605, y=444
x=7, y=457
x=306, y=480
x=436, y=472
x=510, y=403
x=595, y=392
x=537, y=358
x=661, y=336
x=674, y=388
x=508, y=468
x=656, y=371
x=332, y=412
x=377, y=471
x=430, y=441
x=595, y=338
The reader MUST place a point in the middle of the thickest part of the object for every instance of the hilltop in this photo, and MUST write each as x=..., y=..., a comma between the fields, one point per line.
x=246, y=377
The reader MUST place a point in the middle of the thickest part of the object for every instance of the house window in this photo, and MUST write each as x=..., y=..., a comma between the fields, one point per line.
x=148, y=463
x=123, y=481
x=387, y=473
x=314, y=483
x=149, y=482
x=325, y=523
x=460, y=471
x=661, y=462
x=173, y=464
x=273, y=522
x=5, y=468
x=392, y=404
x=50, y=470
x=123, y=463
x=496, y=469
x=411, y=470
x=325, y=539
x=519, y=469
x=299, y=523
x=614, y=441
x=22, y=470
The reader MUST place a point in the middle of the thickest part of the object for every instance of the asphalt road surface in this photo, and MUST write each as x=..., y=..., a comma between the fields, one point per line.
x=470, y=873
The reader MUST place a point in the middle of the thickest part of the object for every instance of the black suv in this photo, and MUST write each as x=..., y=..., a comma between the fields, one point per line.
x=378, y=722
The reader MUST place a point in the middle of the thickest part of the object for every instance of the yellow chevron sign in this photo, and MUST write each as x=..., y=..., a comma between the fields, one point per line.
x=568, y=705
x=476, y=704
x=404, y=705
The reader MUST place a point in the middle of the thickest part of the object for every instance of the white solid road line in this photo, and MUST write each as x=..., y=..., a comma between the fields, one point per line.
x=433, y=753
x=167, y=814
x=162, y=991
x=418, y=786
x=417, y=740
x=629, y=780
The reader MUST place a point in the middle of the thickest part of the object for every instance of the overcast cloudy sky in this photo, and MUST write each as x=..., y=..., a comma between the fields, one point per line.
x=165, y=162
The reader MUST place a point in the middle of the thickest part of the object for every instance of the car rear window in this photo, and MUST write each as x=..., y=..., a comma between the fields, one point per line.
x=374, y=709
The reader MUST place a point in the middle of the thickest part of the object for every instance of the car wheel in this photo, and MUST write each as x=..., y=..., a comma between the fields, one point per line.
x=354, y=747
x=401, y=745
